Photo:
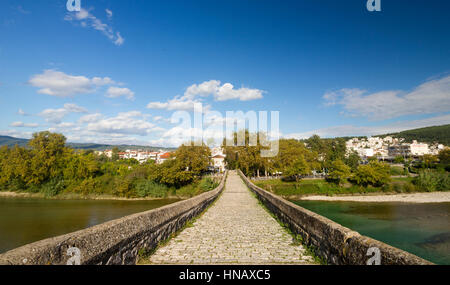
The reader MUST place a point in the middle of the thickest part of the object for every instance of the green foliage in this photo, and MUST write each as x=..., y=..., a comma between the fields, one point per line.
x=147, y=188
x=297, y=169
x=375, y=174
x=399, y=159
x=53, y=187
x=207, y=184
x=190, y=163
x=322, y=187
x=428, y=134
x=429, y=180
x=47, y=157
x=49, y=167
x=397, y=171
x=353, y=160
x=339, y=172
x=444, y=156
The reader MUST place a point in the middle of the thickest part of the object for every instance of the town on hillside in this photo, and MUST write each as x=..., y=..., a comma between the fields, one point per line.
x=217, y=159
x=388, y=148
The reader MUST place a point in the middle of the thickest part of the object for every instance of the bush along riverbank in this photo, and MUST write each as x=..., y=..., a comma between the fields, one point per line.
x=426, y=181
x=47, y=168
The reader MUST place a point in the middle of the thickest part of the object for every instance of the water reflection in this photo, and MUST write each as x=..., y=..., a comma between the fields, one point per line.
x=27, y=220
x=422, y=229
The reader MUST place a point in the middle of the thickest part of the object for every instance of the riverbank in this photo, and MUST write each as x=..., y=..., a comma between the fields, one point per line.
x=432, y=197
x=72, y=196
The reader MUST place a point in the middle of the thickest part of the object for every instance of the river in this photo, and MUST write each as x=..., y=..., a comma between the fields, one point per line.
x=422, y=229
x=26, y=220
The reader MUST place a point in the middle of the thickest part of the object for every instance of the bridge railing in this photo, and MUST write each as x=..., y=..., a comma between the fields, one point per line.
x=331, y=241
x=114, y=242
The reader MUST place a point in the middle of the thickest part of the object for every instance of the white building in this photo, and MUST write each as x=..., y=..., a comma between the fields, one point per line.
x=419, y=148
x=218, y=159
x=163, y=156
x=218, y=162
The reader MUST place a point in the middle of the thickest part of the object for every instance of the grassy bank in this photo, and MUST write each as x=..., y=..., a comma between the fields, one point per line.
x=141, y=190
x=424, y=183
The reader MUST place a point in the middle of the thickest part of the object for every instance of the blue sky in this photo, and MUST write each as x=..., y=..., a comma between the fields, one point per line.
x=116, y=71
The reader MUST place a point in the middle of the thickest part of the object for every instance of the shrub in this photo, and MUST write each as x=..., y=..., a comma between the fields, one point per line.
x=84, y=187
x=430, y=181
x=207, y=184
x=187, y=191
x=148, y=188
x=397, y=171
x=409, y=188
x=397, y=187
x=387, y=188
x=125, y=188
x=375, y=174
x=339, y=172
x=53, y=187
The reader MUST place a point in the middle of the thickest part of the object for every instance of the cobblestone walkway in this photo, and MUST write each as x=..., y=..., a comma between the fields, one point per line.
x=235, y=230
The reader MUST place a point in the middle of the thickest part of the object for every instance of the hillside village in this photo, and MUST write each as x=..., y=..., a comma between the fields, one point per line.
x=217, y=163
x=388, y=148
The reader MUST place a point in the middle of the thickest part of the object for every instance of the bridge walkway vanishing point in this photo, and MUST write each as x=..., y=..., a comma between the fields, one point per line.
x=234, y=230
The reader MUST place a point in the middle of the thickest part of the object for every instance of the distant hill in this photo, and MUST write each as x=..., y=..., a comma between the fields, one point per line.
x=11, y=141
x=434, y=134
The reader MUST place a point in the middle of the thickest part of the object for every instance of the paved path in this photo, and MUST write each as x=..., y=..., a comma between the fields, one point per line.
x=235, y=230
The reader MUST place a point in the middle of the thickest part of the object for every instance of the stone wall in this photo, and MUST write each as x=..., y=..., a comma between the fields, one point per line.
x=115, y=242
x=333, y=242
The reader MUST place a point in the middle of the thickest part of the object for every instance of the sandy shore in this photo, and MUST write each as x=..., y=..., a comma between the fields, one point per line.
x=433, y=197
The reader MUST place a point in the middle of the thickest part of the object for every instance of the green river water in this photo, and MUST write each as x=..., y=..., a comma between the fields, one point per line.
x=422, y=229
x=25, y=220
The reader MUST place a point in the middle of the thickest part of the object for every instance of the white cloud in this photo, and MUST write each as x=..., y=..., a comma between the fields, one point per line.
x=157, y=118
x=24, y=125
x=130, y=123
x=227, y=92
x=73, y=108
x=91, y=118
x=430, y=97
x=109, y=13
x=119, y=39
x=86, y=19
x=350, y=130
x=223, y=92
x=22, y=10
x=56, y=115
x=114, y=92
x=182, y=103
x=195, y=92
x=22, y=113
x=60, y=84
x=16, y=134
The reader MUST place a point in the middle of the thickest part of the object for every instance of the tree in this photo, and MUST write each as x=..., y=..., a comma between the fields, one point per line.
x=444, y=156
x=375, y=173
x=428, y=160
x=399, y=159
x=352, y=160
x=339, y=172
x=188, y=164
x=47, y=156
x=115, y=154
x=297, y=169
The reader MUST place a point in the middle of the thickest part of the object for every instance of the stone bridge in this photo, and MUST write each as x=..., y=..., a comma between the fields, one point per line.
x=235, y=230
x=230, y=226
